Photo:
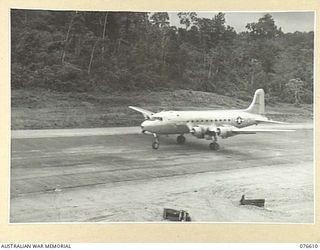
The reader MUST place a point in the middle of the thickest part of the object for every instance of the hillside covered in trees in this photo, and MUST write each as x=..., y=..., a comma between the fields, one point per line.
x=77, y=51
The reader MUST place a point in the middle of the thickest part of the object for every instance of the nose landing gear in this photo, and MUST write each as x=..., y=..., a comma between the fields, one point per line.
x=155, y=144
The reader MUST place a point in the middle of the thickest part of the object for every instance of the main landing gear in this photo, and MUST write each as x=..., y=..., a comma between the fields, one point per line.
x=181, y=139
x=214, y=145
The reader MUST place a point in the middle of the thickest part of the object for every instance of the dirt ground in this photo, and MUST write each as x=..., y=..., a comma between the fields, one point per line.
x=88, y=177
x=43, y=109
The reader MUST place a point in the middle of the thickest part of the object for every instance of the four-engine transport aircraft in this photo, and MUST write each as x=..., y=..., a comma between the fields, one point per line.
x=207, y=124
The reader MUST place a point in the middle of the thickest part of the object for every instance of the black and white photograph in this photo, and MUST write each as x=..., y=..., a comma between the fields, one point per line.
x=162, y=117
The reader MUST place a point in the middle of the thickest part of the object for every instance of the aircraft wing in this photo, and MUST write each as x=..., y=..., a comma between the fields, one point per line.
x=254, y=130
x=146, y=113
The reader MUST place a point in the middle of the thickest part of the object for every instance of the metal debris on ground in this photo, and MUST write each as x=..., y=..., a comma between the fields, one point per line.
x=175, y=215
x=254, y=202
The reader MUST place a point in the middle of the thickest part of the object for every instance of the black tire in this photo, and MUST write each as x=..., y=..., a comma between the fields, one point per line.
x=214, y=146
x=181, y=139
x=155, y=145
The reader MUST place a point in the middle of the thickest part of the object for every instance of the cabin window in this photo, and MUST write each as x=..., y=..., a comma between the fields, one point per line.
x=215, y=120
x=220, y=120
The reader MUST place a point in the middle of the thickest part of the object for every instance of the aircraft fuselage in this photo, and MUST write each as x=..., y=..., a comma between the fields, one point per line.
x=208, y=124
x=179, y=122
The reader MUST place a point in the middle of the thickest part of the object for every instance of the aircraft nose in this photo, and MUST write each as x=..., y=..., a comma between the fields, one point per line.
x=143, y=125
x=146, y=125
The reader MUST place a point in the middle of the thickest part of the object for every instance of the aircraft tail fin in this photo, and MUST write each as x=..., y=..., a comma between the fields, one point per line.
x=257, y=104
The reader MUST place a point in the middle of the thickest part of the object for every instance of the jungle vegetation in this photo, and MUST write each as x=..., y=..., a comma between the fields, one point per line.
x=77, y=51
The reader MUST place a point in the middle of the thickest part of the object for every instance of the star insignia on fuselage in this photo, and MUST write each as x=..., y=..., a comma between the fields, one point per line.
x=239, y=120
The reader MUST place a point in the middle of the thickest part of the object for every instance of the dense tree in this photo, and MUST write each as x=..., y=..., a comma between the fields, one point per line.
x=187, y=18
x=108, y=51
x=265, y=28
x=160, y=19
x=264, y=50
x=294, y=88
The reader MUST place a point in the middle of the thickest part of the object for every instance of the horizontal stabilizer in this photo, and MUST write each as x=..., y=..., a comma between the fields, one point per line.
x=254, y=131
x=270, y=121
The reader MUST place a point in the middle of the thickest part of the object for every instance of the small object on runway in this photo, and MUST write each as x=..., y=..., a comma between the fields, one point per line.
x=254, y=202
x=175, y=215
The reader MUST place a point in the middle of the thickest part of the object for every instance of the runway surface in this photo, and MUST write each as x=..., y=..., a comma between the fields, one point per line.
x=113, y=175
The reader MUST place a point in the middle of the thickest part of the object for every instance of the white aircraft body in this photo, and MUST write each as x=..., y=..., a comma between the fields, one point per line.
x=207, y=124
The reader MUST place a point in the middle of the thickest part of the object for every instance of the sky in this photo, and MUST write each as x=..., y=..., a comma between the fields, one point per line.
x=288, y=21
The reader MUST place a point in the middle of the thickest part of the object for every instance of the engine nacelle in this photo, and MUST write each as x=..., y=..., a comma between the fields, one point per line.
x=225, y=132
x=198, y=132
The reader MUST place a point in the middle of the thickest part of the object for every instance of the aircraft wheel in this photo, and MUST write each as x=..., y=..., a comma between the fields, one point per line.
x=155, y=145
x=214, y=146
x=181, y=139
